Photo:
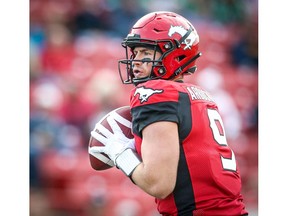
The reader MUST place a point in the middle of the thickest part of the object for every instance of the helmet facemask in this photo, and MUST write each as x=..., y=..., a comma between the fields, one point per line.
x=126, y=65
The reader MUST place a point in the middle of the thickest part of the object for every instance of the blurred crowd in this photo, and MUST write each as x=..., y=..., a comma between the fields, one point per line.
x=74, y=81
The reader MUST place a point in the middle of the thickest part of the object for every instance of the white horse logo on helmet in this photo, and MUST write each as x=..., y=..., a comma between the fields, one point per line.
x=182, y=31
x=145, y=93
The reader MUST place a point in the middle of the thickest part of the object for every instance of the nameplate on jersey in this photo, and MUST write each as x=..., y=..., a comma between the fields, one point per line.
x=199, y=94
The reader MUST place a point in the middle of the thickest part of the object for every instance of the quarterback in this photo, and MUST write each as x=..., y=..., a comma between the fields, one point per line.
x=180, y=155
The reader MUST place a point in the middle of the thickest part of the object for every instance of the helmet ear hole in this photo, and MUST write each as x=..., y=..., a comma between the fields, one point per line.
x=180, y=58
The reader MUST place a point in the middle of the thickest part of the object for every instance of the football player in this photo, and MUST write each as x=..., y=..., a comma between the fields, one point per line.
x=180, y=154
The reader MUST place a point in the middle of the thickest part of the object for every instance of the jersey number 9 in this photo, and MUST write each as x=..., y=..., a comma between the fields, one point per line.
x=217, y=127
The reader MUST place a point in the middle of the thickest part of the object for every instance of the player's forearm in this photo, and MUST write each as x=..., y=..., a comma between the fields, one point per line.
x=156, y=175
x=149, y=175
x=153, y=181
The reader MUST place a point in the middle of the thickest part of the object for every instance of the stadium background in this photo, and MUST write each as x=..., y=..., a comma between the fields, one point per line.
x=74, y=48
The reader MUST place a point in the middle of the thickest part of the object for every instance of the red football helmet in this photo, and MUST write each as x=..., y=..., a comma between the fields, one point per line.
x=167, y=32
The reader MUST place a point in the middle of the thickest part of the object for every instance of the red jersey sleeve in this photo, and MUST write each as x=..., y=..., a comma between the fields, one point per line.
x=151, y=102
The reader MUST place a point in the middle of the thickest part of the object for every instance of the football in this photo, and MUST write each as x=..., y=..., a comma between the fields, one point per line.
x=122, y=115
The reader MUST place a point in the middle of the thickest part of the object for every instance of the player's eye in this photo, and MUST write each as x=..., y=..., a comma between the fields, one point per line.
x=147, y=53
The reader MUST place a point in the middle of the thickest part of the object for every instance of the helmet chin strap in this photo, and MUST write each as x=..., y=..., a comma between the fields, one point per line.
x=180, y=69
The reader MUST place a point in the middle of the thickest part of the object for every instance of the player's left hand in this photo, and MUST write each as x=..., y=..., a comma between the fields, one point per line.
x=114, y=143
